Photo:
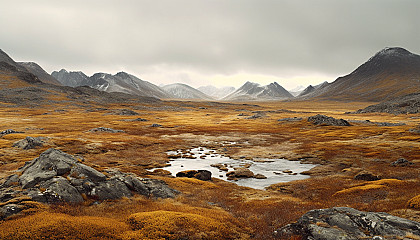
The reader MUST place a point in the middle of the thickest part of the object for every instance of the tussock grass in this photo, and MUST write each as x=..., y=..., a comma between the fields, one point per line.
x=341, y=151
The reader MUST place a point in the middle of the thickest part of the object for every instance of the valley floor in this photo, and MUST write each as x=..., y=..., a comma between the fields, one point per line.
x=215, y=209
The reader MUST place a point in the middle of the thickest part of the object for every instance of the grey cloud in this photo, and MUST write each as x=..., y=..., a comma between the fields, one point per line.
x=269, y=36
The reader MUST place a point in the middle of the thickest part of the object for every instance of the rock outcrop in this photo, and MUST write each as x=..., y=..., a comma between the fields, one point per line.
x=347, y=224
x=104, y=129
x=59, y=177
x=204, y=175
x=329, y=121
x=30, y=142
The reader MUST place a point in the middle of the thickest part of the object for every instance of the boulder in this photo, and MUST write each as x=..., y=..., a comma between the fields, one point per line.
x=104, y=129
x=203, y=175
x=155, y=125
x=8, y=131
x=366, y=176
x=348, y=223
x=327, y=121
x=402, y=162
x=59, y=177
x=240, y=173
x=260, y=176
x=110, y=189
x=30, y=142
x=59, y=189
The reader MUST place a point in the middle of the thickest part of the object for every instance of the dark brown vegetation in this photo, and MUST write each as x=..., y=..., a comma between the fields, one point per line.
x=213, y=209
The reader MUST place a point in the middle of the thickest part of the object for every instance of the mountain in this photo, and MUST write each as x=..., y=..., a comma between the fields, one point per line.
x=297, y=90
x=390, y=73
x=13, y=74
x=71, y=79
x=184, y=91
x=38, y=71
x=216, y=92
x=254, y=91
x=311, y=88
x=120, y=82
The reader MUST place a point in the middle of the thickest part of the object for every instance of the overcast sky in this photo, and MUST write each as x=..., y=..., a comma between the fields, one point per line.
x=202, y=42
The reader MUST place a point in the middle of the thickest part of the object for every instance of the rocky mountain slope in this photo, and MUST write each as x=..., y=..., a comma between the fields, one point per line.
x=19, y=74
x=254, y=91
x=71, y=79
x=38, y=71
x=390, y=73
x=309, y=89
x=184, y=91
x=402, y=105
x=215, y=92
x=120, y=82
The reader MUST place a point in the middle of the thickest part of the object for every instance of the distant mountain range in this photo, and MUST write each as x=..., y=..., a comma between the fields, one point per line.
x=253, y=91
x=120, y=82
x=215, y=92
x=390, y=73
x=183, y=91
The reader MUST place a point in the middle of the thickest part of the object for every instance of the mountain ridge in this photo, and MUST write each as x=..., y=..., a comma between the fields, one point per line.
x=251, y=91
x=392, y=72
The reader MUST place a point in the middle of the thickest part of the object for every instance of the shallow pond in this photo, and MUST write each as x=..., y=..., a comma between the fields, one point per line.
x=202, y=159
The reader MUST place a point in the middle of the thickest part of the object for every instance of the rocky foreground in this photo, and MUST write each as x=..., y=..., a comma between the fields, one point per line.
x=343, y=223
x=56, y=177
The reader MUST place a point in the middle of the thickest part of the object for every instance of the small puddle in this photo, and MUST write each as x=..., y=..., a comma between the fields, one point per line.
x=202, y=159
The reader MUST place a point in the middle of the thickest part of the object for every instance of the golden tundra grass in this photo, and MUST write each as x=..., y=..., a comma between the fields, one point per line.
x=215, y=209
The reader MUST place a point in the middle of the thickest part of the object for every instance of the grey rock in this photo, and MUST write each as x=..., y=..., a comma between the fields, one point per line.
x=30, y=142
x=134, y=184
x=59, y=189
x=293, y=119
x=7, y=193
x=9, y=210
x=49, y=164
x=328, y=121
x=135, y=120
x=10, y=180
x=104, y=129
x=127, y=112
x=59, y=177
x=402, y=162
x=256, y=116
x=110, y=189
x=348, y=223
x=86, y=172
x=158, y=188
x=156, y=125
x=8, y=131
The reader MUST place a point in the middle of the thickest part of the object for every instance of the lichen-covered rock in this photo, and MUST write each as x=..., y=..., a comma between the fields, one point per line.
x=59, y=189
x=348, y=223
x=59, y=177
x=30, y=143
x=328, y=121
